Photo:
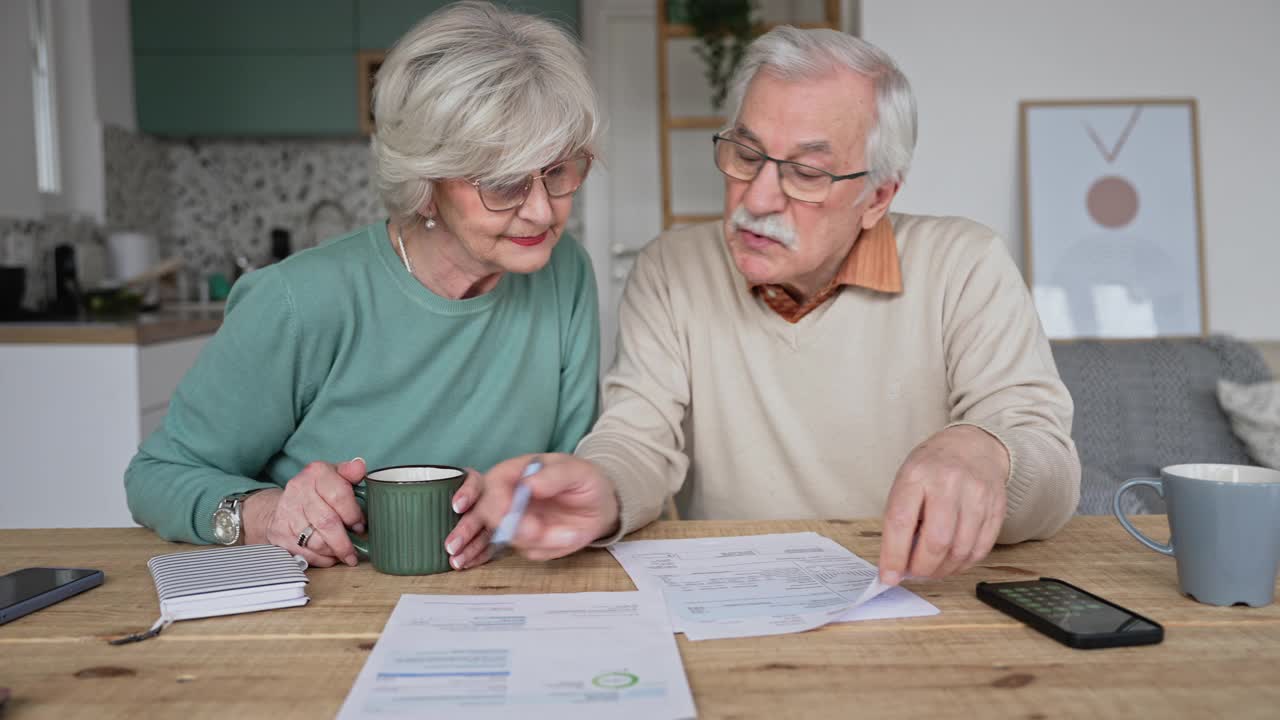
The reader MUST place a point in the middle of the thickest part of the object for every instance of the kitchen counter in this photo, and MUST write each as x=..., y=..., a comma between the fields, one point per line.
x=145, y=329
x=79, y=397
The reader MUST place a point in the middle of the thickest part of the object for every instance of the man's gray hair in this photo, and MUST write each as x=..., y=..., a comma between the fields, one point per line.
x=795, y=54
x=477, y=92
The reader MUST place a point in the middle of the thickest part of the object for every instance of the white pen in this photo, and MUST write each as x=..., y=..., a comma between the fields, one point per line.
x=506, y=531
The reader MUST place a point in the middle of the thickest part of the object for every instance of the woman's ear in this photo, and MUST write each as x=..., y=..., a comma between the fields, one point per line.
x=428, y=207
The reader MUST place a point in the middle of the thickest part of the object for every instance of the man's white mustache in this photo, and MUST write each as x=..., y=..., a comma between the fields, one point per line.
x=775, y=226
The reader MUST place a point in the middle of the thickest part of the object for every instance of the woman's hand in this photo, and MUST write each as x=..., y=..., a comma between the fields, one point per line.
x=468, y=544
x=571, y=504
x=321, y=497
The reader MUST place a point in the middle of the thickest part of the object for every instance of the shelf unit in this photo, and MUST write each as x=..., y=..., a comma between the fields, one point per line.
x=667, y=123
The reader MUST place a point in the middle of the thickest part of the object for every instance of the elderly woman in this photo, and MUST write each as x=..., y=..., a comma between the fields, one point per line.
x=461, y=331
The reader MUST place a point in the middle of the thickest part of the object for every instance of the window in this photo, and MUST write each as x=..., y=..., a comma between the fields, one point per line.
x=48, y=172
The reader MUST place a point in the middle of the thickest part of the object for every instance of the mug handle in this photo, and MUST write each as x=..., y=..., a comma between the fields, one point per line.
x=361, y=544
x=1137, y=534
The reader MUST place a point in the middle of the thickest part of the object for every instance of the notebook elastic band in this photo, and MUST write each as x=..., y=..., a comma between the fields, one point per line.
x=155, y=630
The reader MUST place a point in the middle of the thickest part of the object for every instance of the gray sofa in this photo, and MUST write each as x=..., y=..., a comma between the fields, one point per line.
x=1142, y=405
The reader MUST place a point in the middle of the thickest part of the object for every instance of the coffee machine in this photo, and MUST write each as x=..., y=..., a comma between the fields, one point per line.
x=68, y=296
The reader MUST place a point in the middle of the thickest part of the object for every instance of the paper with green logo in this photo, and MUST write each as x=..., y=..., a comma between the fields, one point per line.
x=560, y=655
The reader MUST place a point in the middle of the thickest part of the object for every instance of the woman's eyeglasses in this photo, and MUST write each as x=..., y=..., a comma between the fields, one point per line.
x=563, y=178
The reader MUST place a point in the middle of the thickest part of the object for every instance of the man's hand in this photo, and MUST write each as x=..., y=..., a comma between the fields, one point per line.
x=946, y=505
x=571, y=504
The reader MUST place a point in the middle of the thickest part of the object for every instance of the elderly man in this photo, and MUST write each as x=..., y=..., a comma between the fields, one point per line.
x=814, y=355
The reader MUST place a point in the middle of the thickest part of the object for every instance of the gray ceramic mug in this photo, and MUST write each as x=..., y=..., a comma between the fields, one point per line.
x=1224, y=530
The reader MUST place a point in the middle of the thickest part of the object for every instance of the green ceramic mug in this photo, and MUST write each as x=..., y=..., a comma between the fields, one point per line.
x=408, y=514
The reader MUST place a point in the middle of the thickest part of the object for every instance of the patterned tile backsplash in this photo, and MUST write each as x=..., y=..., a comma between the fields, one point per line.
x=229, y=195
x=138, y=182
x=210, y=200
x=29, y=243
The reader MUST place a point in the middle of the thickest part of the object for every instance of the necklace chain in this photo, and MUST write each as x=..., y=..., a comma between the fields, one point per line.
x=404, y=254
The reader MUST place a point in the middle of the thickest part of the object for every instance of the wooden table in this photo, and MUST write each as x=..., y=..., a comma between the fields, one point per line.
x=970, y=661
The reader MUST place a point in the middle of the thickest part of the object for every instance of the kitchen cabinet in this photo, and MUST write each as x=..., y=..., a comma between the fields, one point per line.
x=73, y=417
x=234, y=26
x=277, y=68
x=381, y=22
x=245, y=67
x=244, y=95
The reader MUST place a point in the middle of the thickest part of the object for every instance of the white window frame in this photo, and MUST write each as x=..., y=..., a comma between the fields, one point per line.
x=44, y=96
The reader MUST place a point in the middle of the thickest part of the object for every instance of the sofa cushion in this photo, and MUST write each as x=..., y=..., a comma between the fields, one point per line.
x=1254, y=412
x=1145, y=404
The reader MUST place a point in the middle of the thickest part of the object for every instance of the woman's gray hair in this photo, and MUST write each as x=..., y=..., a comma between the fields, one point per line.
x=795, y=54
x=481, y=93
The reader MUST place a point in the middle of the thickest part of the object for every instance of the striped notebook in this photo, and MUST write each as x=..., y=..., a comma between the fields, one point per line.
x=224, y=581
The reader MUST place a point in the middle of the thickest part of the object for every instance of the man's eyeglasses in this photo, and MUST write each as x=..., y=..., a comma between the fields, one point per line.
x=563, y=178
x=798, y=181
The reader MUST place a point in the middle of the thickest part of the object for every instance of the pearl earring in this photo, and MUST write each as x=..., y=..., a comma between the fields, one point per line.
x=431, y=223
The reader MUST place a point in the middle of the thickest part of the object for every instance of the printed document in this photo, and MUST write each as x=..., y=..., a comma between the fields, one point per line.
x=762, y=584
x=564, y=656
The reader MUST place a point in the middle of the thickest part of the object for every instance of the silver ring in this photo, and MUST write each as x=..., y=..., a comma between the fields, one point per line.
x=305, y=535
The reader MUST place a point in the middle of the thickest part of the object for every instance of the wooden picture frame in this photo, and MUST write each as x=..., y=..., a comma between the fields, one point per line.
x=367, y=64
x=1112, y=217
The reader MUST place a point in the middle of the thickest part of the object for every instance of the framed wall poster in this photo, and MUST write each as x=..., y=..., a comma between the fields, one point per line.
x=1112, y=218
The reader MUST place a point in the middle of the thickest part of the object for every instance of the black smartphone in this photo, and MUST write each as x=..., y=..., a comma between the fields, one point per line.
x=29, y=589
x=1074, y=617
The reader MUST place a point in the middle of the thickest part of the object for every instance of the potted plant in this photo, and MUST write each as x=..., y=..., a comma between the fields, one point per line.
x=723, y=28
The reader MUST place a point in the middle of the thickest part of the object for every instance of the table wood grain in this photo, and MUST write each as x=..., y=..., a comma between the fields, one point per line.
x=969, y=661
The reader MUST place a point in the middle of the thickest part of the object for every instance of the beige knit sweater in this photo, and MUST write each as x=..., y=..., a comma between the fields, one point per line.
x=716, y=397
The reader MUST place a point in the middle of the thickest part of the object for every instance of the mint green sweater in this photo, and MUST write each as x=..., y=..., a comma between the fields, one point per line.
x=338, y=352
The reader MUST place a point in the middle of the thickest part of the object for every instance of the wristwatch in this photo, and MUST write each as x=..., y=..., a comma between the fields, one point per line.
x=228, y=519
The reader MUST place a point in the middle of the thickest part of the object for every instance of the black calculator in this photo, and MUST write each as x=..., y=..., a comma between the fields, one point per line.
x=1072, y=616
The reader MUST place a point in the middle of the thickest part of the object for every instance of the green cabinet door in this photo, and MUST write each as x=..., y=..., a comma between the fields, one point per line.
x=234, y=26
x=297, y=94
x=269, y=67
x=382, y=22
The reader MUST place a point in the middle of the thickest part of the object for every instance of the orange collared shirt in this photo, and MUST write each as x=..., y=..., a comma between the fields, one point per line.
x=872, y=263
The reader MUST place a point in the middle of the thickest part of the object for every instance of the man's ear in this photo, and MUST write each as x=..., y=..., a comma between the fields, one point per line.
x=880, y=201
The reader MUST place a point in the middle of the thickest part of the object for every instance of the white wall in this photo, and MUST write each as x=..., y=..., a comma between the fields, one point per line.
x=80, y=133
x=972, y=62
x=621, y=204
x=93, y=76
x=113, y=62
x=19, y=196
x=95, y=87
